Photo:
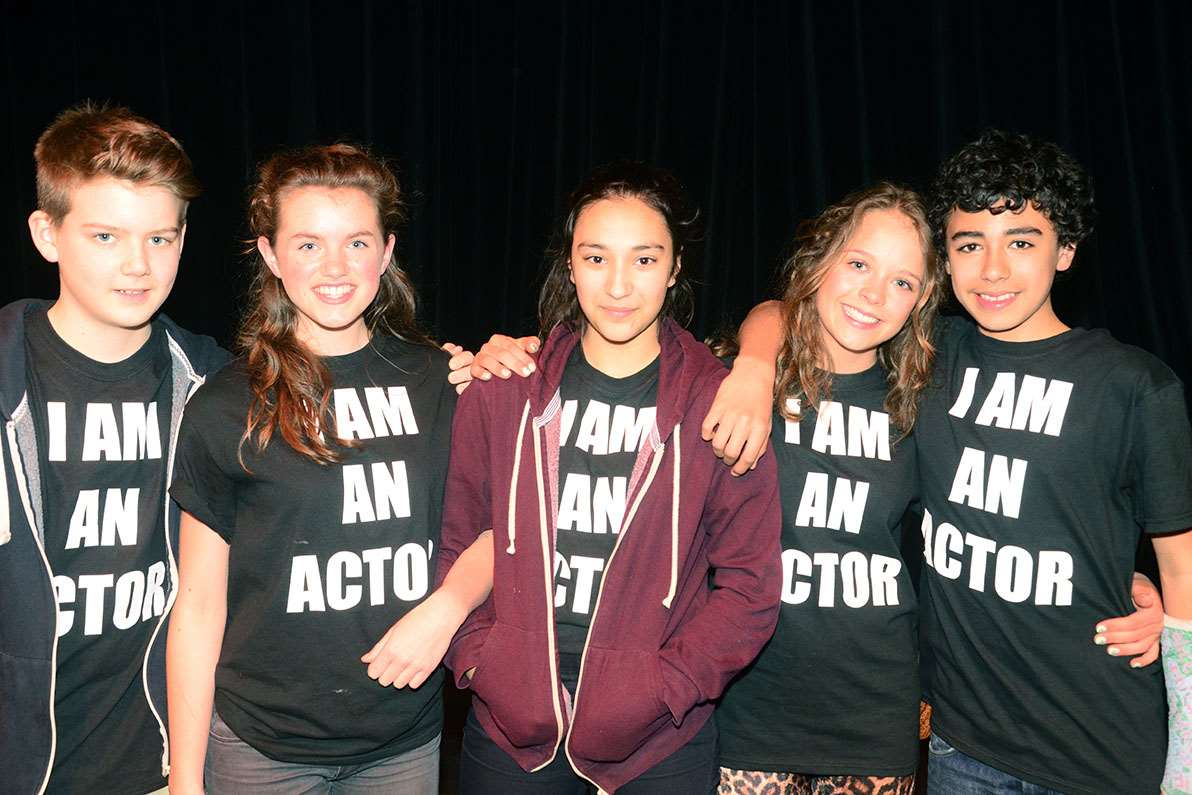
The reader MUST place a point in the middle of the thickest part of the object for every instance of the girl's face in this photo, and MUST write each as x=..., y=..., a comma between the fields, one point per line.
x=622, y=263
x=329, y=252
x=869, y=289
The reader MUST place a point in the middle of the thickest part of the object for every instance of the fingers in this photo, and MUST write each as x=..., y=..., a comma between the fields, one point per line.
x=1146, y=658
x=459, y=364
x=708, y=429
x=503, y=356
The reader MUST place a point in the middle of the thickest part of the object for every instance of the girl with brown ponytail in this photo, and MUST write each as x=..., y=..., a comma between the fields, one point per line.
x=310, y=472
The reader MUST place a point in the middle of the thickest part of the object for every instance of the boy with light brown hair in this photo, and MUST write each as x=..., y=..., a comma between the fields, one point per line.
x=92, y=388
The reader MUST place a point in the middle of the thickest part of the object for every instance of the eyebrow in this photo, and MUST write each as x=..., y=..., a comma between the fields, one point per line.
x=110, y=228
x=1024, y=230
x=642, y=247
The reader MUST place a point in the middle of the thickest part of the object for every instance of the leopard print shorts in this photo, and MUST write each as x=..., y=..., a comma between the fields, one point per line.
x=753, y=782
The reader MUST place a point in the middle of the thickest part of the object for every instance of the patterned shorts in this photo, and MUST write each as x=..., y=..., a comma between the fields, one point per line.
x=753, y=782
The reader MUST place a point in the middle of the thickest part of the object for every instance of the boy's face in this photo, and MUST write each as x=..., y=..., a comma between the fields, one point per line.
x=117, y=251
x=1002, y=266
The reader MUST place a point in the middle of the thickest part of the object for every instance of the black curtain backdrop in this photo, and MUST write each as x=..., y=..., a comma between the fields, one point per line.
x=492, y=112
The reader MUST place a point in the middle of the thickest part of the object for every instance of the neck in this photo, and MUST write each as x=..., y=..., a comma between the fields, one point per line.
x=95, y=340
x=339, y=342
x=620, y=359
x=847, y=363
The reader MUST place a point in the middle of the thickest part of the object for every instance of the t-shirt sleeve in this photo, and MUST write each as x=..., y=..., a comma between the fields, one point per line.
x=204, y=485
x=1162, y=461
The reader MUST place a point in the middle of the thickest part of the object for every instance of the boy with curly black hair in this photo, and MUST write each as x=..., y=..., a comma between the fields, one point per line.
x=1045, y=451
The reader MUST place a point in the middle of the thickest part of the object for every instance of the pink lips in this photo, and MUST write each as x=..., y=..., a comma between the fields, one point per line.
x=998, y=301
x=618, y=313
x=334, y=293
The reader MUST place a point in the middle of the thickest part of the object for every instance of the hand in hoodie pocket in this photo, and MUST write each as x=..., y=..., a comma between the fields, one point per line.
x=618, y=704
x=515, y=686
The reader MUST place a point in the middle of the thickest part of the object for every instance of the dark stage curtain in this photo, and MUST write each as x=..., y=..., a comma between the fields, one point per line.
x=492, y=111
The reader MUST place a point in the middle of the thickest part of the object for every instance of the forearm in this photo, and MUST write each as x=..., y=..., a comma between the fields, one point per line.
x=1174, y=554
x=760, y=336
x=192, y=651
x=470, y=579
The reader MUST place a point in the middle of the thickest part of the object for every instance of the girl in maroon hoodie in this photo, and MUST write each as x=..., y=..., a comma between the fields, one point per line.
x=633, y=575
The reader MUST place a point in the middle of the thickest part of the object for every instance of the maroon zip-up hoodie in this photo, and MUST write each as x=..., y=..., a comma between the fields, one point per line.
x=662, y=644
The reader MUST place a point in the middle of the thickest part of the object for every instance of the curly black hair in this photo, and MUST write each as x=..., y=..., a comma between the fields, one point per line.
x=1003, y=171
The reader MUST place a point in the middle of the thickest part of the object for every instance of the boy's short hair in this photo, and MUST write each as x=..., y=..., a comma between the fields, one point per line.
x=89, y=141
x=1005, y=171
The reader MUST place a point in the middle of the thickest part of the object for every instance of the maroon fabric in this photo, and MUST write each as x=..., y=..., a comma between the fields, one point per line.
x=650, y=672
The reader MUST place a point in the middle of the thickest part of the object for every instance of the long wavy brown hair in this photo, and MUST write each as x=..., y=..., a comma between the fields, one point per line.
x=290, y=386
x=906, y=357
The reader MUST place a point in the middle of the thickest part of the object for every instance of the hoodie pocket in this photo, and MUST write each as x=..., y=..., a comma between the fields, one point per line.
x=619, y=704
x=513, y=682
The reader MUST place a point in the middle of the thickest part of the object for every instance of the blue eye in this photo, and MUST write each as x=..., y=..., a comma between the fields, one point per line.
x=904, y=284
x=358, y=244
x=158, y=240
x=307, y=247
x=104, y=237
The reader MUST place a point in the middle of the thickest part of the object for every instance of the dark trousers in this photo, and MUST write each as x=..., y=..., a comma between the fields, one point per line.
x=485, y=769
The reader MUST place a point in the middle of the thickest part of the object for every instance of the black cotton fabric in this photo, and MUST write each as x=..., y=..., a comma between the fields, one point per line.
x=324, y=559
x=102, y=442
x=605, y=421
x=836, y=690
x=1042, y=463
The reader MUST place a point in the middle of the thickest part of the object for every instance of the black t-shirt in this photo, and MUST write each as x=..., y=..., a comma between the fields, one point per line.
x=605, y=421
x=323, y=559
x=1042, y=462
x=103, y=438
x=836, y=690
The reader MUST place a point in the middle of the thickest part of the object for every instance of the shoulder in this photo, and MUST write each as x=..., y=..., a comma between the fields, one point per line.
x=222, y=392
x=202, y=353
x=949, y=329
x=1126, y=365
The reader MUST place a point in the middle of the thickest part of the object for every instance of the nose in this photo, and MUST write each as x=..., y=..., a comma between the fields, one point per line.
x=334, y=264
x=872, y=292
x=618, y=284
x=994, y=267
x=137, y=262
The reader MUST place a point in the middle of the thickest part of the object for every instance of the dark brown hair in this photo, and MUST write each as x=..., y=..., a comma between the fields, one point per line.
x=906, y=357
x=89, y=141
x=290, y=385
x=557, y=302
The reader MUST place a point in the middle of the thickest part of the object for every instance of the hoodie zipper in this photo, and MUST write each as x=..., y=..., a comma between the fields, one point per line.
x=23, y=487
x=621, y=533
x=196, y=381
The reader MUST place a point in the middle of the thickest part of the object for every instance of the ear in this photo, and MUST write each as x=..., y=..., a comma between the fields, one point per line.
x=181, y=238
x=267, y=254
x=45, y=234
x=1064, y=261
x=570, y=273
x=390, y=244
x=675, y=272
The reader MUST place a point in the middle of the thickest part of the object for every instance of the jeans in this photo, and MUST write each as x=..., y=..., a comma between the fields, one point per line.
x=953, y=772
x=485, y=769
x=233, y=766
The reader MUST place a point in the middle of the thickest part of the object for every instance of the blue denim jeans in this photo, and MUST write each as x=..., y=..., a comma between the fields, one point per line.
x=953, y=772
x=233, y=766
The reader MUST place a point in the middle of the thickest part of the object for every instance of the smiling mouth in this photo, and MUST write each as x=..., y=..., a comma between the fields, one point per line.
x=334, y=293
x=132, y=293
x=996, y=300
x=857, y=316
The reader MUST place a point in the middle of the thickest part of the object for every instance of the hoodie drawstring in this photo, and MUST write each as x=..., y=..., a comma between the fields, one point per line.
x=511, y=525
x=5, y=525
x=674, y=572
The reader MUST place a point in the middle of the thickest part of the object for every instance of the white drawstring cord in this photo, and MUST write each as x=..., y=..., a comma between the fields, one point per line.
x=511, y=526
x=674, y=576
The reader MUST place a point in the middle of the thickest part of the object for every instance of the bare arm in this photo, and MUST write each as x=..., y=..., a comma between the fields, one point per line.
x=192, y=649
x=738, y=423
x=413, y=647
x=1174, y=553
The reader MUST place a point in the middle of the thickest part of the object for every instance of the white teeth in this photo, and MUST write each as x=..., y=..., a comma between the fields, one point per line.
x=996, y=298
x=334, y=290
x=859, y=316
